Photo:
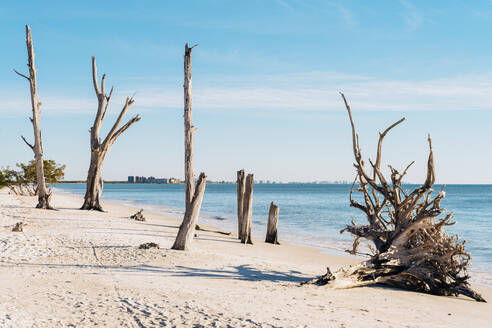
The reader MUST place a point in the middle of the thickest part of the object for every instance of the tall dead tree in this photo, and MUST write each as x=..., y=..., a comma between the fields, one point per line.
x=194, y=196
x=247, y=215
x=240, y=201
x=99, y=150
x=411, y=249
x=272, y=233
x=43, y=193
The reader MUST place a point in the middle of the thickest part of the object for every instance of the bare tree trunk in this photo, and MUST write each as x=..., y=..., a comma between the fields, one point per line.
x=247, y=211
x=240, y=202
x=272, y=235
x=99, y=150
x=37, y=148
x=194, y=196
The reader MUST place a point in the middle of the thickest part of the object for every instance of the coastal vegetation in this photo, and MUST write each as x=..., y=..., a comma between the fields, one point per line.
x=23, y=181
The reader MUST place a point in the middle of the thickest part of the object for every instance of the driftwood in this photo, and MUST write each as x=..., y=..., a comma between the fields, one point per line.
x=272, y=234
x=43, y=193
x=148, y=245
x=99, y=149
x=411, y=249
x=198, y=228
x=194, y=196
x=247, y=215
x=19, y=227
x=138, y=216
x=241, y=183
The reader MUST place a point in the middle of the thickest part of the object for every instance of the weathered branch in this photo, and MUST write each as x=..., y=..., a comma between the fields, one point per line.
x=28, y=144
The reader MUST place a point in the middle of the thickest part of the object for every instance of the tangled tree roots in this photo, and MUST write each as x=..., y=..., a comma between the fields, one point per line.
x=412, y=251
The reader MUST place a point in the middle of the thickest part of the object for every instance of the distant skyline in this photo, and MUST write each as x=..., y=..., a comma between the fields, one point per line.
x=266, y=77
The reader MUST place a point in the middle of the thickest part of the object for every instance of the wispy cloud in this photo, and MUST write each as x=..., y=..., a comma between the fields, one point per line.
x=413, y=17
x=347, y=16
x=310, y=91
x=284, y=4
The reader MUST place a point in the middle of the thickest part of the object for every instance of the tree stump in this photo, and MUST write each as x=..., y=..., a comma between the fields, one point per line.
x=240, y=201
x=247, y=211
x=138, y=216
x=18, y=227
x=272, y=235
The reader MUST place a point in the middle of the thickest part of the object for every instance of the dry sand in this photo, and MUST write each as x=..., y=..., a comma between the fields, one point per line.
x=72, y=268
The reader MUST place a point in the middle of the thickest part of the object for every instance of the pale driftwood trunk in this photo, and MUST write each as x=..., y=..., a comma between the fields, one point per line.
x=240, y=202
x=43, y=193
x=99, y=150
x=187, y=228
x=272, y=234
x=247, y=211
x=194, y=196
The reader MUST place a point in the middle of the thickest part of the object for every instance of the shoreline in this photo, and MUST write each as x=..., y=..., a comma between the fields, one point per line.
x=483, y=278
x=81, y=268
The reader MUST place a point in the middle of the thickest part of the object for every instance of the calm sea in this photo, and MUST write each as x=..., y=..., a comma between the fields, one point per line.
x=311, y=215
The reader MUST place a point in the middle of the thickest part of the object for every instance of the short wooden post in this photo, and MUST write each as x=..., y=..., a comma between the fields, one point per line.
x=271, y=235
x=240, y=201
x=247, y=217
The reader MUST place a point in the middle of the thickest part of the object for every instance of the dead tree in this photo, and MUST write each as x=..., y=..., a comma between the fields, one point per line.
x=99, y=149
x=247, y=215
x=272, y=234
x=43, y=193
x=240, y=201
x=194, y=196
x=411, y=249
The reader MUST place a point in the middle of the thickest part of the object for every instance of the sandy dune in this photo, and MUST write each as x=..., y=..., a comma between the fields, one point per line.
x=72, y=268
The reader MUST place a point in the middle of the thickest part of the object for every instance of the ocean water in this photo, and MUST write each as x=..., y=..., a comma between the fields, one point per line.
x=311, y=214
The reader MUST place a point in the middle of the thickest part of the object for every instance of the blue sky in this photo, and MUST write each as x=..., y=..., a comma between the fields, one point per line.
x=266, y=77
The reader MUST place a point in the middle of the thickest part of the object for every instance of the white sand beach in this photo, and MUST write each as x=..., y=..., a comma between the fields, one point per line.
x=73, y=268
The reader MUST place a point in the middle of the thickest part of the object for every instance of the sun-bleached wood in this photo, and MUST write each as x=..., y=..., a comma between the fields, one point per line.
x=240, y=201
x=99, y=150
x=193, y=196
x=42, y=190
x=412, y=251
x=272, y=234
x=247, y=215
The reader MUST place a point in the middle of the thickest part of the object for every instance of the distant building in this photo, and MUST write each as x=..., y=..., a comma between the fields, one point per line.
x=173, y=180
x=151, y=179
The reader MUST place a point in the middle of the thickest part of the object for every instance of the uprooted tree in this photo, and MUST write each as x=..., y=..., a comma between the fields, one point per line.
x=42, y=191
x=411, y=249
x=194, y=196
x=99, y=150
